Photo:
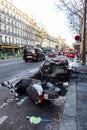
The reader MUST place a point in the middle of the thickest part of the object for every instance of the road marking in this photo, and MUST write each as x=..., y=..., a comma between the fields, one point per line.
x=2, y=119
x=34, y=70
x=3, y=105
x=6, y=103
x=22, y=100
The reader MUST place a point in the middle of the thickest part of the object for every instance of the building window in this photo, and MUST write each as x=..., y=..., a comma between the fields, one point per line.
x=5, y=39
x=0, y=17
x=2, y=2
x=13, y=40
x=9, y=40
x=12, y=31
x=0, y=27
x=8, y=29
x=0, y=38
x=16, y=41
x=5, y=29
x=4, y=19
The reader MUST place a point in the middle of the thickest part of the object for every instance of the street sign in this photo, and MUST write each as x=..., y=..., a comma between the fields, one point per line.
x=77, y=38
x=77, y=43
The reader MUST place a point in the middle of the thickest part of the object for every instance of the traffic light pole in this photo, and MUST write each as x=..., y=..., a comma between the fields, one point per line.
x=83, y=55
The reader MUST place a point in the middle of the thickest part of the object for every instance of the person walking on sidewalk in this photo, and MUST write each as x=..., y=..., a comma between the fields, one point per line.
x=78, y=54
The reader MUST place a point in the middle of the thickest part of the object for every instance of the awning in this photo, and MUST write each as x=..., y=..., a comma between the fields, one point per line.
x=9, y=46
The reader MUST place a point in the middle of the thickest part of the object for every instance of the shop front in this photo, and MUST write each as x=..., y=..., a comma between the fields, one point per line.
x=10, y=49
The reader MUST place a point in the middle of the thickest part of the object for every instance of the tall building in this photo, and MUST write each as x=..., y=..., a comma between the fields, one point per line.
x=16, y=28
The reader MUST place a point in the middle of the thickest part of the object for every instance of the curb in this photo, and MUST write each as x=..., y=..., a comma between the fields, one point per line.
x=68, y=121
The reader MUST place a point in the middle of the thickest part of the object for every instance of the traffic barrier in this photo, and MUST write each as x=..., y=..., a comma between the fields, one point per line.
x=3, y=56
x=17, y=55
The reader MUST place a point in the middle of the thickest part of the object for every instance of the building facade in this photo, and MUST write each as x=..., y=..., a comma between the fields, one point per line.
x=18, y=30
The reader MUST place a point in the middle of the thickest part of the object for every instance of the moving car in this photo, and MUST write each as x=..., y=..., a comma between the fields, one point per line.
x=71, y=54
x=33, y=53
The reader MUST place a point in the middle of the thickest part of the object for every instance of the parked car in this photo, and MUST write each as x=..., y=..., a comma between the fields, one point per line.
x=47, y=51
x=71, y=54
x=65, y=52
x=33, y=54
x=51, y=54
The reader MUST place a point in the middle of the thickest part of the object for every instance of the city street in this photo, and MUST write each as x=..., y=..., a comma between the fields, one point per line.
x=43, y=65
x=10, y=68
x=13, y=113
x=13, y=67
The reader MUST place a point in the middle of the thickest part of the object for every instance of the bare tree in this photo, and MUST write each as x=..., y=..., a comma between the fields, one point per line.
x=74, y=13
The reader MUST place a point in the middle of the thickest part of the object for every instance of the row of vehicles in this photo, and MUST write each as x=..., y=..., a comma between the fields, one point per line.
x=69, y=53
x=38, y=54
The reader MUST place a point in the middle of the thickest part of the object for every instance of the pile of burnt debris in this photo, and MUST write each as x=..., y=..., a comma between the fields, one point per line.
x=48, y=83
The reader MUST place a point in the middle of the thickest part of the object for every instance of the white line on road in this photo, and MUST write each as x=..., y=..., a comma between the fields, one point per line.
x=33, y=70
x=3, y=105
x=6, y=103
x=22, y=100
x=2, y=119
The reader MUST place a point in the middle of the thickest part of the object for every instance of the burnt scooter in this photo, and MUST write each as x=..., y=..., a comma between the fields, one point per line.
x=36, y=90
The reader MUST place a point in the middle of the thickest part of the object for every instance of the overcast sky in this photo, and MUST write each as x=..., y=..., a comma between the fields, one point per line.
x=45, y=13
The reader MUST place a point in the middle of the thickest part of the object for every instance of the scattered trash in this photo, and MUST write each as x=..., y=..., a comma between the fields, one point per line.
x=37, y=120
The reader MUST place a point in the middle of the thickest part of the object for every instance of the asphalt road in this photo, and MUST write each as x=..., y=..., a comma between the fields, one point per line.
x=11, y=68
x=13, y=114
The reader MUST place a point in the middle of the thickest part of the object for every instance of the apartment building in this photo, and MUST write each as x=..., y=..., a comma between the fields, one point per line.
x=16, y=28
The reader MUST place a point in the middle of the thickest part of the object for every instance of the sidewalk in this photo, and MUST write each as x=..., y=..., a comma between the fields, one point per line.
x=10, y=57
x=75, y=109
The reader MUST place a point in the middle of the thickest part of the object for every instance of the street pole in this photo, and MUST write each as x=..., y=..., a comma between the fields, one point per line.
x=83, y=55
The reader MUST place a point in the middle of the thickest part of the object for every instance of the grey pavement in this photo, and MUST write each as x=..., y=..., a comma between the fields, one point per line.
x=74, y=115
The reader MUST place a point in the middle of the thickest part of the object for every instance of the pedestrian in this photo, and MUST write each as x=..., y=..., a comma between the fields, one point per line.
x=78, y=54
x=58, y=53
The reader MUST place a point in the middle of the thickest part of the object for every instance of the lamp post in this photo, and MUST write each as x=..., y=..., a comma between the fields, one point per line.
x=83, y=53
